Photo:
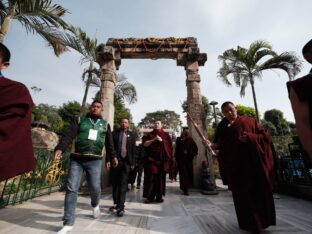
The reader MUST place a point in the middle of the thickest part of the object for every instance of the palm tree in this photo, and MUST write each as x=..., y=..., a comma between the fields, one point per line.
x=124, y=90
x=37, y=16
x=91, y=78
x=245, y=65
x=78, y=40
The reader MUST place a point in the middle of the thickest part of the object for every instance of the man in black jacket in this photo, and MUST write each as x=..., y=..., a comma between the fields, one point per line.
x=89, y=136
x=124, y=142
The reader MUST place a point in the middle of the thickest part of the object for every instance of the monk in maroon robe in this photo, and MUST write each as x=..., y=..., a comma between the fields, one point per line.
x=16, y=150
x=158, y=146
x=247, y=166
x=301, y=102
x=186, y=150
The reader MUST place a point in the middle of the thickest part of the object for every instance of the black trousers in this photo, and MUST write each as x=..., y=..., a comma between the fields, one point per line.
x=119, y=180
x=139, y=172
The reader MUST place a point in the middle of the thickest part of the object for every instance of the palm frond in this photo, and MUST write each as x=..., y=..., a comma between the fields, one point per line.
x=256, y=46
x=286, y=61
x=262, y=53
x=53, y=36
x=3, y=12
x=78, y=40
x=95, y=75
x=125, y=90
x=41, y=12
x=244, y=83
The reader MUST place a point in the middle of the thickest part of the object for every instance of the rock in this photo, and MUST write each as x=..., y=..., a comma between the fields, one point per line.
x=43, y=138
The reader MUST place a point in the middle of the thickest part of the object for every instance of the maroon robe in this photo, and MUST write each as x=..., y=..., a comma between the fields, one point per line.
x=16, y=150
x=158, y=156
x=248, y=170
x=186, y=150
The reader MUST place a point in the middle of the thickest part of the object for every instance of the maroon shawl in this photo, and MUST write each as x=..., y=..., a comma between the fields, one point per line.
x=159, y=153
x=16, y=150
x=245, y=165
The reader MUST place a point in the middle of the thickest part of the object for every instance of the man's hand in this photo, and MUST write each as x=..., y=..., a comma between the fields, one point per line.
x=57, y=155
x=108, y=165
x=115, y=162
x=243, y=138
x=206, y=143
x=158, y=138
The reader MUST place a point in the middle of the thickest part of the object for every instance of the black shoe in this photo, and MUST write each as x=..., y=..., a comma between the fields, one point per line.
x=120, y=212
x=159, y=200
x=113, y=208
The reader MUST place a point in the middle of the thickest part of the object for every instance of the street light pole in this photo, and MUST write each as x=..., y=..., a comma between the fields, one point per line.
x=214, y=103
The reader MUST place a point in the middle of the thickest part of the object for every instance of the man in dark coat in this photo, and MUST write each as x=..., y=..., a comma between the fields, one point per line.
x=16, y=150
x=124, y=143
x=247, y=166
x=186, y=150
x=139, y=164
x=158, y=147
x=301, y=102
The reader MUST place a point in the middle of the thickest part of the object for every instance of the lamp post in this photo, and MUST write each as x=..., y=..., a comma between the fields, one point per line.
x=214, y=103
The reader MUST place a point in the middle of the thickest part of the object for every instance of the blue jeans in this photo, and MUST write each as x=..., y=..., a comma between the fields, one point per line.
x=92, y=167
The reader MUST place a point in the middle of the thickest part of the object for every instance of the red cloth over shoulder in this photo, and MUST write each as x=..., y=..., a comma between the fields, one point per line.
x=16, y=150
x=159, y=153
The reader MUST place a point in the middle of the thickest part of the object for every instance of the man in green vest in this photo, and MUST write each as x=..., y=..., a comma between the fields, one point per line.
x=90, y=135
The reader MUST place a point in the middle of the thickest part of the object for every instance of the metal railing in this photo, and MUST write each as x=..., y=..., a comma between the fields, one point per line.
x=296, y=167
x=48, y=176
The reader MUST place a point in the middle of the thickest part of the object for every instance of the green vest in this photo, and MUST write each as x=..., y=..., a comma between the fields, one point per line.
x=84, y=147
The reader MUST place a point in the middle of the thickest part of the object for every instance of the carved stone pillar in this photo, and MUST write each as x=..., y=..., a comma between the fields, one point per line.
x=196, y=110
x=106, y=59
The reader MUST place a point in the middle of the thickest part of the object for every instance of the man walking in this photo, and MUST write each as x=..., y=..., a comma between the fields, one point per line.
x=246, y=164
x=89, y=137
x=186, y=150
x=124, y=142
x=158, y=147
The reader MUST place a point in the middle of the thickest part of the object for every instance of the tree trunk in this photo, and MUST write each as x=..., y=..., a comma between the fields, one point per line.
x=254, y=98
x=5, y=27
x=84, y=100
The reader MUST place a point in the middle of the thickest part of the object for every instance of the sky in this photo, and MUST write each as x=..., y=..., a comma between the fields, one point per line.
x=218, y=25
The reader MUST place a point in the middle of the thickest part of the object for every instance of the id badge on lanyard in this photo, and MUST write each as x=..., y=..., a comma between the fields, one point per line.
x=92, y=134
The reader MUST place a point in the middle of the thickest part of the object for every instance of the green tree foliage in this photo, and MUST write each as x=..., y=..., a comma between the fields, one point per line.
x=211, y=132
x=169, y=119
x=276, y=117
x=270, y=127
x=247, y=111
x=120, y=112
x=37, y=16
x=69, y=111
x=245, y=65
x=49, y=115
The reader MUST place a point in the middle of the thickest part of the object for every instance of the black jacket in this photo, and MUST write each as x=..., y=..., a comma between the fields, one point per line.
x=130, y=146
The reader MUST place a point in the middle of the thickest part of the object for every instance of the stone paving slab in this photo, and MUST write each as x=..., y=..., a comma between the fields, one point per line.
x=178, y=214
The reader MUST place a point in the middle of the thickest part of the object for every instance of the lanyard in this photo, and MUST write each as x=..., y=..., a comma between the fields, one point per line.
x=94, y=123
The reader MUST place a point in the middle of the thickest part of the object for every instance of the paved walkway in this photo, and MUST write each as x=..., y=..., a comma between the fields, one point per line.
x=178, y=214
